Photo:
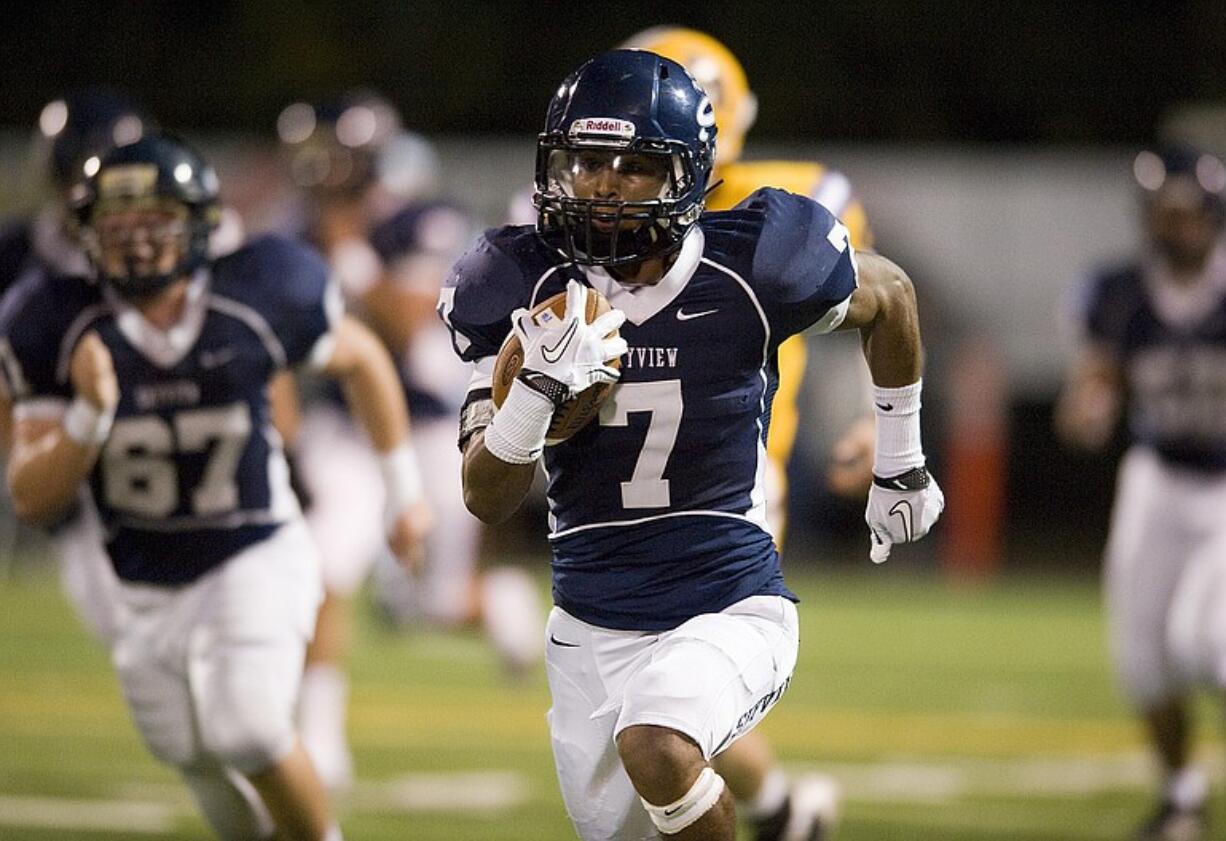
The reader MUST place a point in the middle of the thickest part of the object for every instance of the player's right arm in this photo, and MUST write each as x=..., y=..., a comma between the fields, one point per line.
x=493, y=488
x=1091, y=401
x=1088, y=408
x=481, y=304
x=561, y=360
x=51, y=456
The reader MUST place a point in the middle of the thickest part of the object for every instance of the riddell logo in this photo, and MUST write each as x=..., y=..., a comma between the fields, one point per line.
x=610, y=127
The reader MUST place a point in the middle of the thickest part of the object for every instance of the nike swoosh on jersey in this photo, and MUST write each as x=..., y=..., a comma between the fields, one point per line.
x=682, y=315
x=559, y=642
x=215, y=359
x=553, y=354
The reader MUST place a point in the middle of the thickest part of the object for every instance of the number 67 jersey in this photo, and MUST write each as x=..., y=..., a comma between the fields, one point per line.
x=657, y=509
x=193, y=471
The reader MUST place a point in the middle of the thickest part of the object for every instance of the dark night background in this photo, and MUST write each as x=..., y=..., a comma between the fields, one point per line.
x=879, y=70
x=986, y=76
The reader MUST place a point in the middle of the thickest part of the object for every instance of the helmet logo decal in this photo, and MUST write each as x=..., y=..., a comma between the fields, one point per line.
x=602, y=129
x=705, y=117
x=133, y=180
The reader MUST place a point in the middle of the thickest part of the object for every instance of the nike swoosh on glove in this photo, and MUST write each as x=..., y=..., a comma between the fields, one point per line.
x=901, y=509
x=569, y=350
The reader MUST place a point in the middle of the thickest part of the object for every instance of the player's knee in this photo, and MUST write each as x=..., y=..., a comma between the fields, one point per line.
x=247, y=738
x=699, y=799
x=659, y=761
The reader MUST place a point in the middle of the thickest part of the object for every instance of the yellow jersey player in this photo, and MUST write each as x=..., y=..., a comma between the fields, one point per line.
x=779, y=809
x=720, y=73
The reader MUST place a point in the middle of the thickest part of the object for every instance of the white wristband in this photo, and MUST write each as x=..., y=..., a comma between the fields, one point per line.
x=516, y=435
x=898, y=447
x=401, y=481
x=86, y=424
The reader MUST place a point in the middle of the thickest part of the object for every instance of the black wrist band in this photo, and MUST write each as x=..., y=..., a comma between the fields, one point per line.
x=915, y=479
x=555, y=390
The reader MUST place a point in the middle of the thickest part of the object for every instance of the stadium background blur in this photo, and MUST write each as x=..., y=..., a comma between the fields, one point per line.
x=961, y=691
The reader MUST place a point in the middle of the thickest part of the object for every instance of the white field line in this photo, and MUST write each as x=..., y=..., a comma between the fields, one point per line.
x=128, y=816
x=916, y=780
x=153, y=808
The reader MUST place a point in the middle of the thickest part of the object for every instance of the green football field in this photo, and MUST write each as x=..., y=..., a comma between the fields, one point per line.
x=954, y=714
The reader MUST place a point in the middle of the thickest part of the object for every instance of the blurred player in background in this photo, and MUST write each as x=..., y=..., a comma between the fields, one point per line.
x=71, y=130
x=367, y=185
x=805, y=809
x=151, y=384
x=1154, y=351
x=673, y=633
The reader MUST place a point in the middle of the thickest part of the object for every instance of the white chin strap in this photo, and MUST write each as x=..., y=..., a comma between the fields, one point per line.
x=695, y=803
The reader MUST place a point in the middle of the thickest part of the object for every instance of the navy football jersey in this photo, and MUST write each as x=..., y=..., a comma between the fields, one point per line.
x=1173, y=357
x=657, y=510
x=193, y=470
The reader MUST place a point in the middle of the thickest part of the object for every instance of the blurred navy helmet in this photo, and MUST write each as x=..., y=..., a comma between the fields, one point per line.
x=86, y=124
x=157, y=171
x=334, y=147
x=628, y=111
x=1182, y=166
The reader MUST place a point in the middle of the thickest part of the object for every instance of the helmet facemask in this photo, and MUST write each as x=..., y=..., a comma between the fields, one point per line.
x=603, y=206
x=145, y=213
x=139, y=246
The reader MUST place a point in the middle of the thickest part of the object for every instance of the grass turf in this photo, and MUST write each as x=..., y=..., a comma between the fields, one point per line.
x=946, y=713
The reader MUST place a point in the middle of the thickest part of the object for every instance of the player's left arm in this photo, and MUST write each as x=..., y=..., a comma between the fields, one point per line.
x=904, y=501
x=850, y=470
x=362, y=365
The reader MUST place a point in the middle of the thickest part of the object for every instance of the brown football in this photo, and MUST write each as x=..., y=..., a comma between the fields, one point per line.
x=577, y=412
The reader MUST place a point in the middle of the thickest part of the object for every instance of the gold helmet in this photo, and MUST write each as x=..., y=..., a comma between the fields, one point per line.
x=715, y=68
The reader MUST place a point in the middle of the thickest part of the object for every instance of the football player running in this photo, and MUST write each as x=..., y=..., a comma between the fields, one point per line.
x=778, y=809
x=151, y=385
x=672, y=633
x=71, y=129
x=1154, y=351
x=365, y=185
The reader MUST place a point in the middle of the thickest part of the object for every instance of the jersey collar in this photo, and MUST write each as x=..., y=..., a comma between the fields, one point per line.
x=640, y=303
x=164, y=348
x=1185, y=305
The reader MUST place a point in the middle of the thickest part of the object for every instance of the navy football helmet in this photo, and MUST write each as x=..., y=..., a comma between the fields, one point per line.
x=1203, y=172
x=334, y=147
x=85, y=124
x=643, y=118
x=157, y=171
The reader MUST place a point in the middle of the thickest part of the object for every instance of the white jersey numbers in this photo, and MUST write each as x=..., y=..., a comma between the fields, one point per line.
x=138, y=464
x=647, y=487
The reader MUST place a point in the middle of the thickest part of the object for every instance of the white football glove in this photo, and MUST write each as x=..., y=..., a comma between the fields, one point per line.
x=568, y=350
x=901, y=509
